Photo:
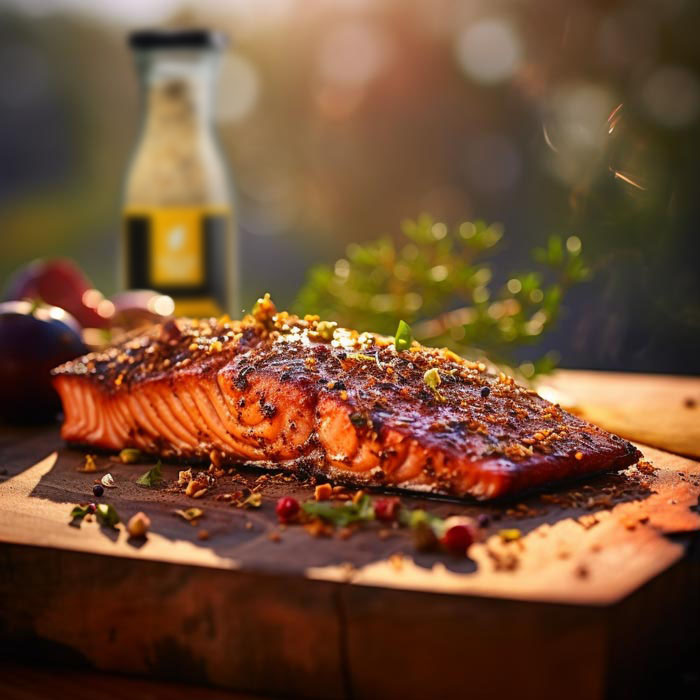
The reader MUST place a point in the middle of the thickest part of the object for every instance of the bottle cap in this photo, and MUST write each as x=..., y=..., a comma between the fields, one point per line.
x=177, y=39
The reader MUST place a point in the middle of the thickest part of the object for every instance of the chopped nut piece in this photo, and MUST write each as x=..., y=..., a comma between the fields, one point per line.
x=138, y=525
x=323, y=492
x=317, y=528
x=130, y=455
x=358, y=496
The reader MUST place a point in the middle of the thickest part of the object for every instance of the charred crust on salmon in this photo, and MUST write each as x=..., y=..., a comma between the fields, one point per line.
x=300, y=394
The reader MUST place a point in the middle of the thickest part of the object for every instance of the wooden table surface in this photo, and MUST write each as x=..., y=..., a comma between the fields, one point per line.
x=604, y=568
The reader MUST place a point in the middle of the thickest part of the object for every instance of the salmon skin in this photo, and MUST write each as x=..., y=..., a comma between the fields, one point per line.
x=277, y=391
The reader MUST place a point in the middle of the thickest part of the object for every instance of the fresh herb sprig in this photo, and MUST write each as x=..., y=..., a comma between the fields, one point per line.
x=342, y=514
x=440, y=281
x=403, y=337
x=105, y=513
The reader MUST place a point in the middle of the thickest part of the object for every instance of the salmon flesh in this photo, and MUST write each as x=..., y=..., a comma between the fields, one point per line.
x=277, y=391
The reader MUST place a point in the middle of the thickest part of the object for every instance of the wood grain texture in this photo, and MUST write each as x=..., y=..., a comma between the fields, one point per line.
x=593, y=593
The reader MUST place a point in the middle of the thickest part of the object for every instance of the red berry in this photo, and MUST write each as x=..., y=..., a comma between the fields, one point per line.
x=458, y=535
x=386, y=509
x=287, y=509
x=91, y=507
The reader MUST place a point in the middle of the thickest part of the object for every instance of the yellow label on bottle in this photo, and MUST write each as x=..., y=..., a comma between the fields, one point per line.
x=182, y=252
x=177, y=247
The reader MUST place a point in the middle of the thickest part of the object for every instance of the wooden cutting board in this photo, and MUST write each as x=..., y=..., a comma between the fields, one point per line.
x=657, y=410
x=598, y=594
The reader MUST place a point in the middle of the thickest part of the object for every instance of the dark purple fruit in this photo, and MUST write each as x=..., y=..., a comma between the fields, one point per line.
x=33, y=340
x=62, y=283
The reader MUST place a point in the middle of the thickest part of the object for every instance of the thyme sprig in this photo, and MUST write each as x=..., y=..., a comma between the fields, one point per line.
x=441, y=282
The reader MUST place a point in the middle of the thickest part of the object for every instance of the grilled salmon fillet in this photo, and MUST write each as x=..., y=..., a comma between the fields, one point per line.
x=299, y=394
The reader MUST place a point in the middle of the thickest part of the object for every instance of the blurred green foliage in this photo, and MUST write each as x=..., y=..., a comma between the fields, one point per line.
x=441, y=282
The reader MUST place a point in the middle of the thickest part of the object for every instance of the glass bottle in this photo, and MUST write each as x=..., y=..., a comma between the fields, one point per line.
x=179, y=234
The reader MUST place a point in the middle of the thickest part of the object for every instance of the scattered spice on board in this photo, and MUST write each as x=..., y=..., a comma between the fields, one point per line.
x=582, y=571
x=396, y=561
x=587, y=521
x=89, y=465
x=190, y=514
x=503, y=560
x=130, y=455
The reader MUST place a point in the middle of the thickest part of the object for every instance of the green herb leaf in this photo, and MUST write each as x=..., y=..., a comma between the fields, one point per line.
x=79, y=512
x=107, y=516
x=426, y=529
x=403, y=337
x=341, y=514
x=152, y=477
x=361, y=356
x=419, y=517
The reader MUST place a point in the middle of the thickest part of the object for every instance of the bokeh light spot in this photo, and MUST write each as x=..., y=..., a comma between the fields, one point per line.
x=573, y=244
x=489, y=50
x=240, y=87
x=439, y=231
x=354, y=53
x=514, y=286
x=439, y=273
